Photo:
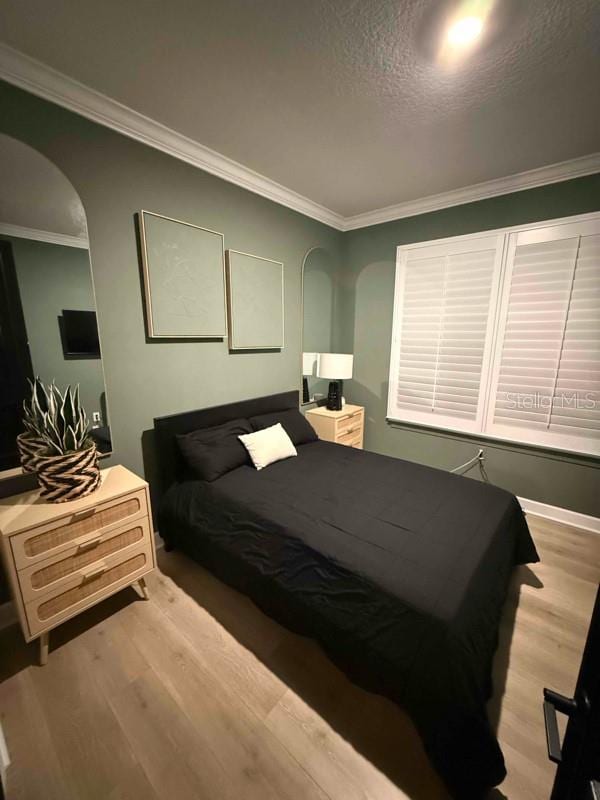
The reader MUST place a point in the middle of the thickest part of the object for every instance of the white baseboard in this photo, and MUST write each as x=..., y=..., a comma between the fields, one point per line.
x=563, y=515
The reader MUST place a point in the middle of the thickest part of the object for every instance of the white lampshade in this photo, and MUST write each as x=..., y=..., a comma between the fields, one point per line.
x=308, y=363
x=335, y=366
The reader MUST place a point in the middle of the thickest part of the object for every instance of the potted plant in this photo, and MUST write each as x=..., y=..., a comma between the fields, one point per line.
x=30, y=442
x=67, y=467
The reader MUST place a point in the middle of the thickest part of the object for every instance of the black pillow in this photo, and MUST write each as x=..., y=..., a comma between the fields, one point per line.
x=211, y=452
x=295, y=424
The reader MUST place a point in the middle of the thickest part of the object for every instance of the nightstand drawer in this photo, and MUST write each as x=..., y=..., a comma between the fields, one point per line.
x=87, y=587
x=46, y=576
x=350, y=424
x=350, y=438
x=38, y=544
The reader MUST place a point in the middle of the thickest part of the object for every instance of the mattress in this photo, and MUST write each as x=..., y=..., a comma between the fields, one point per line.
x=400, y=571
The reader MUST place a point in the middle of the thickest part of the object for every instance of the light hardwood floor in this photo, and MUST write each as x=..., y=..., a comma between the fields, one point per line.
x=196, y=694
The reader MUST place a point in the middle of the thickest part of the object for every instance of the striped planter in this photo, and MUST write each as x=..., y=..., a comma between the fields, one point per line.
x=29, y=448
x=69, y=476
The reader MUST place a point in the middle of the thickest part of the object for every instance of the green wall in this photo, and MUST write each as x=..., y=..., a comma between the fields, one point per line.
x=51, y=278
x=117, y=177
x=368, y=295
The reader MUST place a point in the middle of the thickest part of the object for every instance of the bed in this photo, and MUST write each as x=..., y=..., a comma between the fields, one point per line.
x=398, y=570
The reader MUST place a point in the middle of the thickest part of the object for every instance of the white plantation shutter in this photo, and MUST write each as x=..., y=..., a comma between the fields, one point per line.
x=499, y=334
x=442, y=332
x=545, y=388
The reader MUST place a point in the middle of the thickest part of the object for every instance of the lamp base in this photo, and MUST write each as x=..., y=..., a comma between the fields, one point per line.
x=305, y=392
x=334, y=396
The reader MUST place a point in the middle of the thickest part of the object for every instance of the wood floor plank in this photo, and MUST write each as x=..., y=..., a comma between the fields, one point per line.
x=255, y=763
x=335, y=765
x=165, y=742
x=29, y=741
x=215, y=646
x=116, y=661
x=234, y=610
x=93, y=752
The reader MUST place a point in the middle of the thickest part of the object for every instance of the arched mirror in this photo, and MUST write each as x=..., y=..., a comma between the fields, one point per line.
x=48, y=324
x=318, y=318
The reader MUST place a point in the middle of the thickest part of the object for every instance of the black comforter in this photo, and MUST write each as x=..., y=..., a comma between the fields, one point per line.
x=400, y=571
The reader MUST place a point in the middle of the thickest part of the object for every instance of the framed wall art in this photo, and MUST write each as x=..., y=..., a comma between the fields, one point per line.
x=184, y=279
x=254, y=302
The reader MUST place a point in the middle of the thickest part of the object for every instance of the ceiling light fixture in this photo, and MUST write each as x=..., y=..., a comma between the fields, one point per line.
x=464, y=31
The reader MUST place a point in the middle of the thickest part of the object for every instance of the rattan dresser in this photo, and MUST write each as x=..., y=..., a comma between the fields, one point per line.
x=62, y=558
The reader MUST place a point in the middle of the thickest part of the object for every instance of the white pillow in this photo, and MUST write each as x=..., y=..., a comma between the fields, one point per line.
x=269, y=445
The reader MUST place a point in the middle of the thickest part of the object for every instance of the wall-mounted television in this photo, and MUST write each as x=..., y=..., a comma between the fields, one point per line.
x=80, y=334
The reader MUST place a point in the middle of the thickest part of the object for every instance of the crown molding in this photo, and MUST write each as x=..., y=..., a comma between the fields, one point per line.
x=43, y=236
x=45, y=82
x=553, y=173
x=39, y=79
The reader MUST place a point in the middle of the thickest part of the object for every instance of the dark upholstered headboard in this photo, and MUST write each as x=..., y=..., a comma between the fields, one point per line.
x=166, y=428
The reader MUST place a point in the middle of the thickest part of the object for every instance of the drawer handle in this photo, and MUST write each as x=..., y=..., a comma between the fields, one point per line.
x=87, y=573
x=349, y=432
x=85, y=512
x=87, y=544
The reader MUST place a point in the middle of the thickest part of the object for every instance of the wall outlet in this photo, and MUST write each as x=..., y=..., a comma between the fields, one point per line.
x=96, y=416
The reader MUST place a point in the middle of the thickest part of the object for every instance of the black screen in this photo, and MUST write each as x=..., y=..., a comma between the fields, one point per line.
x=81, y=333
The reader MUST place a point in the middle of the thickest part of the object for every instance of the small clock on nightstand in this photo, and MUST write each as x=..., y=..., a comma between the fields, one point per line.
x=343, y=427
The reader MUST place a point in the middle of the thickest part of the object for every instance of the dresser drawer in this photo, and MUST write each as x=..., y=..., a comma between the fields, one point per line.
x=350, y=424
x=59, y=536
x=87, y=586
x=45, y=576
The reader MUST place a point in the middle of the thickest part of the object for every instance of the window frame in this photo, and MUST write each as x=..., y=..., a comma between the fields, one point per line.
x=500, y=285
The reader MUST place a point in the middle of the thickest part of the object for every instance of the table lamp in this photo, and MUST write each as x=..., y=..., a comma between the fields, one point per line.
x=335, y=367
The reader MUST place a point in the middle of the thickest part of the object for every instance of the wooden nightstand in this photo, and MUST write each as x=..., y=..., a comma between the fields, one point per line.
x=344, y=427
x=62, y=558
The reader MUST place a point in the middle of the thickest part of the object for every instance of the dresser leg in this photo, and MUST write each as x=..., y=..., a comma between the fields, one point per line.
x=44, y=648
x=143, y=588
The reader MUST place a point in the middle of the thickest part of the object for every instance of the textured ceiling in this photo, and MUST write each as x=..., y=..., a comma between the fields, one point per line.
x=344, y=101
x=35, y=193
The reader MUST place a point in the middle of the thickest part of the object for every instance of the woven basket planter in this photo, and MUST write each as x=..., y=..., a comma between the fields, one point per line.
x=29, y=449
x=70, y=476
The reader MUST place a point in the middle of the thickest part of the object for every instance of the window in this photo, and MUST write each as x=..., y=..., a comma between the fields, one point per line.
x=499, y=334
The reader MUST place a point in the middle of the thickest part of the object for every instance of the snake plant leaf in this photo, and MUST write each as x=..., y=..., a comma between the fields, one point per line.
x=40, y=395
x=67, y=410
x=71, y=441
